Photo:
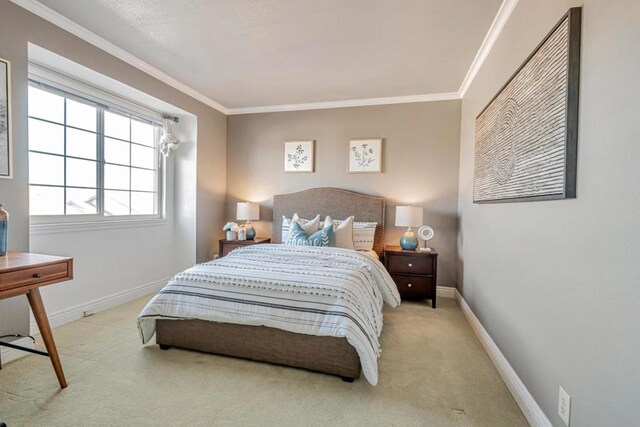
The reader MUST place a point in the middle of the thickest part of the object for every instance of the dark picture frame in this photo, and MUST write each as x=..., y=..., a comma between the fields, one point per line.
x=498, y=126
x=6, y=154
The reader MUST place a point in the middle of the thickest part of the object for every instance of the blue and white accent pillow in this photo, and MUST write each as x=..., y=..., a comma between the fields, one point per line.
x=299, y=237
x=309, y=225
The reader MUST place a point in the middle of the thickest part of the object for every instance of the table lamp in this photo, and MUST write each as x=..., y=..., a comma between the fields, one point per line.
x=408, y=216
x=248, y=211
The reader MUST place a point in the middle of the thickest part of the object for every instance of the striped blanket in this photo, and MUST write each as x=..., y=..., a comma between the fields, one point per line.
x=308, y=290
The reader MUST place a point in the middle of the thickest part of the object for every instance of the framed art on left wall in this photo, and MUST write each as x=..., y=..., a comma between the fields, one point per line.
x=5, y=119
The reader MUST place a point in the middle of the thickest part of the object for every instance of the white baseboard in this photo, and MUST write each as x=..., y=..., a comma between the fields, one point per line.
x=525, y=401
x=9, y=354
x=74, y=313
x=445, y=292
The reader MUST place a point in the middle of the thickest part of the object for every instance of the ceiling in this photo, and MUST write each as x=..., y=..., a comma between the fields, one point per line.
x=252, y=53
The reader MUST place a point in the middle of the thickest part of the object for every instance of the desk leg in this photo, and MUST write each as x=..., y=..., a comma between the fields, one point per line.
x=45, y=330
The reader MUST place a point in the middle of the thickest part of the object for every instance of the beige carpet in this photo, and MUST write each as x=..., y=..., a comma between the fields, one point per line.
x=433, y=372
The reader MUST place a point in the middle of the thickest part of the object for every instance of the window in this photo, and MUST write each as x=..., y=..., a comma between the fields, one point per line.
x=88, y=160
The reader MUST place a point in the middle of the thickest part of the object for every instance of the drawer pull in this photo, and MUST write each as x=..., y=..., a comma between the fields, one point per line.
x=410, y=265
x=409, y=285
x=37, y=275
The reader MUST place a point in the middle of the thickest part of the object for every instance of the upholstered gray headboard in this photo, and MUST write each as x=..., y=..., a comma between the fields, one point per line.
x=336, y=202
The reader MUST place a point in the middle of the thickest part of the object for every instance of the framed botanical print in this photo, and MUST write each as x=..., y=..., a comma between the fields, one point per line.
x=298, y=156
x=5, y=119
x=365, y=155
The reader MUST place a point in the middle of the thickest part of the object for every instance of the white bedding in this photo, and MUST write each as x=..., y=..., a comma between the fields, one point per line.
x=373, y=254
x=309, y=290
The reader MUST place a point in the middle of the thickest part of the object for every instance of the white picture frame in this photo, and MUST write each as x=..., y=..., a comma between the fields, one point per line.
x=299, y=156
x=365, y=155
x=6, y=153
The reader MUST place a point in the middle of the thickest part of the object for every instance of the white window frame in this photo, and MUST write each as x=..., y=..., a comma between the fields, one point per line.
x=54, y=82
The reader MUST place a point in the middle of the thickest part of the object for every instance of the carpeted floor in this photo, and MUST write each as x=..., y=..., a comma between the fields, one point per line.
x=433, y=372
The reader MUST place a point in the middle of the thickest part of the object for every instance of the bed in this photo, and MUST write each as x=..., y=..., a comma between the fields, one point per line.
x=255, y=268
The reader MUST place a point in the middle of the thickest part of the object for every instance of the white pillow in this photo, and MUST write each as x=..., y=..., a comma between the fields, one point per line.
x=310, y=226
x=363, y=235
x=343, y=232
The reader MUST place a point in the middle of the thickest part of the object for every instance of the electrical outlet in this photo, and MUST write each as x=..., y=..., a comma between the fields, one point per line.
x=564, y=405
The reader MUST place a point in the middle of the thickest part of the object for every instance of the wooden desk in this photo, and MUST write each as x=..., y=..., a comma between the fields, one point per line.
x=24, y=274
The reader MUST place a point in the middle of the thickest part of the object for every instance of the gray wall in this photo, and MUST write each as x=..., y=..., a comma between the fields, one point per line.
x=420, y=163
x=14, y=193
x=556, y=283
x=17, y=28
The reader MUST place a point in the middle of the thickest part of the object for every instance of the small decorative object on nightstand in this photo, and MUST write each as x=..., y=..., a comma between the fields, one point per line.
x=242, y=233
x=413, y=272
x=227, y=246
x=248, y=211
x=426, y=233
x=230, y=228
x=408, y=216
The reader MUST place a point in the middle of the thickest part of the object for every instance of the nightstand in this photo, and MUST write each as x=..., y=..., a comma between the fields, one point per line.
x=227, y=246
x=413, y=272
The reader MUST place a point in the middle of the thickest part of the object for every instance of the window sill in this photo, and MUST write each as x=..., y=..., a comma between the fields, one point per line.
x=73, y=227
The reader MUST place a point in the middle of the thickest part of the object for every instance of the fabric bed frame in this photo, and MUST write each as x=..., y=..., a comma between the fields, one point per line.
x=331, y=355
x=335, y=202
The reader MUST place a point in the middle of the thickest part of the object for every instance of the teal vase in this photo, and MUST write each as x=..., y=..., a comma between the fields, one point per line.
x=4, y=231
x=409, y=240
x=251, y=232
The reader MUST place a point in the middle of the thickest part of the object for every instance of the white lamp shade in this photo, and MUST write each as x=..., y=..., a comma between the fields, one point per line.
x=408, y=216
x=248, y=211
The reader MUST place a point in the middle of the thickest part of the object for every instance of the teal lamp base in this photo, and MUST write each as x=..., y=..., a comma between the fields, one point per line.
x=251, y=232
x=409, y=240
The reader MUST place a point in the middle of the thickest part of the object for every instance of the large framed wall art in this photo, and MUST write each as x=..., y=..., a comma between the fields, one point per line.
x=526, y=138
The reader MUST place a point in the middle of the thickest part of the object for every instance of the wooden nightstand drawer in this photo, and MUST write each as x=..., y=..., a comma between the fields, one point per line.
x=34, y=275
x=414, y=286
x=409, y=264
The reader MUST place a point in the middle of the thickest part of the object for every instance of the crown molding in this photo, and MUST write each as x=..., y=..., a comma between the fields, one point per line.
x=83, y=33
x=502, y=16
x=495, y=29
x=500, y=20
x=346, y=103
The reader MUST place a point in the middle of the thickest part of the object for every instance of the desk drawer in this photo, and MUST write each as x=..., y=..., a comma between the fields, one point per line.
x=33, y=275
x=409, y=264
